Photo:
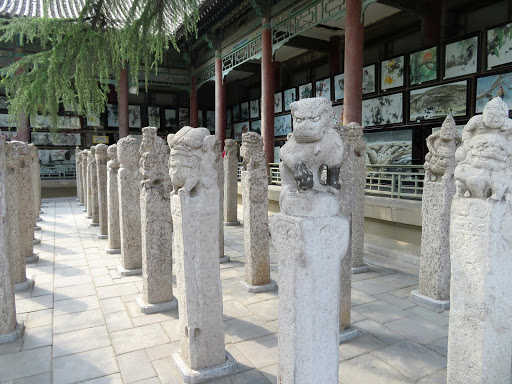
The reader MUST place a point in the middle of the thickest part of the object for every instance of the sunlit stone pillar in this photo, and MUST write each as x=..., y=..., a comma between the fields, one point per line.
x=114, y=234
x=101, y=171
x=230, y=182
x=35, y=184
x=85, y=192
x=89, y=186
x=94, y=188
x=78, y=159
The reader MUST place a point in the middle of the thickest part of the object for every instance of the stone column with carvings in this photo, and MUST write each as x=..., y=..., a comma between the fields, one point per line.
x=480, y=330
x=9, y=329
x=101, y=174
x=438, y=192
x=230, y=182
x=95, y=212
x=114, y=234
x=85, y=167
x=34, y=183
x=255, y=204
x=311, y=239
x=78, y=159
x=129, y=179
x=89, y=186
x=219, y=166
x=195, y=213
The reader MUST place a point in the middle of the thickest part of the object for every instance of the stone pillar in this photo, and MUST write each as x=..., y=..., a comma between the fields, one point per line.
x=438, y=192
x=122, y=106
x=85, y=160
x=220, y=100
x=95, y=211
x=354, y=41
x=480, y=331
x=193, y=102
x=9, y=329
x=219, y=166
x=311, y=240
x=89, y=186
x=230, y=182
x=267, y=89
x=129, y=179
x=114, y=235
x=255, y=203
x=155, y=212
x=35, y=177
x=18, y=267
x=101, y=171
x=195, y=210
x=23, y=130
x=78, y=157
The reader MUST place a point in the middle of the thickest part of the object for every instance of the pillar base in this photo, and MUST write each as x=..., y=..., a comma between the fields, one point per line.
x=191, y=376
x=94, y=225
x=84, y=210
x=14, y=335
x=81, y=204
x=430, y=303
x=36, y=241
x=361, y=269
x=112, y=251
x=25, y=286
x=31, y=259
x=103, y=237
x=224, y=259
x=128, y=272
x=148, y=308
x=348, y=334
x=88, y=217
x=38, y=218
x=231, y=223
x=272, y=286
x=37, y=228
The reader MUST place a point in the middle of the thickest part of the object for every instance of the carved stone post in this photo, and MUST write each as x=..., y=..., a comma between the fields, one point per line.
x=255, y=204
x=129, y=179
x=480, y=331
x=438, y=191
x=37, y=180
x=195, y=210
x=230, y=182
x=78, y=158
x=114, y=234
x=311, y=239
x=101, y=171
x=9, y=329
x=94, y=188
x=34, y=177
x=89, y=186
x=219, y=166
x=85, y=167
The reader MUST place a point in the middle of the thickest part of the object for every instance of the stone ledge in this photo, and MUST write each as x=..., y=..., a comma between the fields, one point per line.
x=272, y=286
x=27, y=285
x=148, y=308
x=224, y=259
x=191, y=376
x=348, y=334
x=129, y=272
x=430, y=303
x=18, y=333
x=112, y=251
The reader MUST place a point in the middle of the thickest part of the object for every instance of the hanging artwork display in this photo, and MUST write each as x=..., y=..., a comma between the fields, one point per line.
x=244, y=111
x=100, y=139
x=369, y=79
x=339, y=87
x=7, y=121
x=93, y=121
x=383, y=110
x=277, y=158
x=55, y=157
x=184, y=117
x=56, y=139
x=323, y=88
x=210, y=121
x=389, y=147
x=460, y=57
x=290, y=95
x=63, y=122
x=239, y=129
x=282, y=125
x=134, y=116
x=499, y=45
x=489, y=87
x=256, y=126
x=278, y=102
x=423, y=66
x=154, y=116
x=438, y=101
x=170, y=119
x=392, y=73
x=113, y=115
x=255, y=109
x=305, y=91
x=200, y=120
x=338, y=113
x=236, y=113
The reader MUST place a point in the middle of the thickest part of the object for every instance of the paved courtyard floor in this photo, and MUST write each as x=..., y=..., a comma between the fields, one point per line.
x=83, y=325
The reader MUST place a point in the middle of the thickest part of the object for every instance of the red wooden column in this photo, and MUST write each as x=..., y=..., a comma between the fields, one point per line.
x=334, y=56
x=220, y=100
x=122, y=106
x=193, y=102
x=267, y=90
x=23, y=129
x=354, y=40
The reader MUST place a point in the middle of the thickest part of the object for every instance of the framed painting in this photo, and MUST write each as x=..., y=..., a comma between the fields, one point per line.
x=383, y=110
x=7, y=121
x=239, y=129
x=282, y=125
x=100, y=139
x=236, y=113
x=369, y=79
x=339, y=87
x=323, y=88
x=388, y=147
x=210, y=121
x=392, y=73
x=439, y=101
x=134, y=116
x=56, y=139
x=256, y=126
x=488, y=87
x=244, y=111
x=305, y=91
x=200, y=120
x=113, y=115
x=184, y=118
x=277, y=159
x=423, y=66
x=278, y=102
x=154, y=116
x=255, y=109
x=461, y=58
x=93, y=121
x=499, y=45
x=338, y=113
x=170, y=119
x=290, y=95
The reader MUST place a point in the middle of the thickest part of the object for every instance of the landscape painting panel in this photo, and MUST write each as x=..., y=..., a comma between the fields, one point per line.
x=278, y=102
x=57, y=139
x=244, y=111
x=184, y=117
x=461, y=57
x=63, y=122
x=255, y=109
x=277, y=158
x=290, y=95
x=113, y=115
x=282, y=125
x=305, y=91
x=499, y=45
x=56, y=156
x=7, y=121
x=170, y=119
x=339, y=87
x=256, y=126
x=392, y=73
x=154, y=116
x=489, y=87
x=338, y=114
x=134, y=116
x=423, y=66
x=389, y=147
x=239, y=129
x=323, y=88
x=236, y=113
x=439, y=101
x=210, y=121
x=383, y=110
x=369, y=79
x=228, y=116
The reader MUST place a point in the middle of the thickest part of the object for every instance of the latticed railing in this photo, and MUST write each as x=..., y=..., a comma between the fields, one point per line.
x=58, y=171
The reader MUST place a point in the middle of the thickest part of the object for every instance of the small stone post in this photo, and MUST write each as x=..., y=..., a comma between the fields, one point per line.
x=114, y=235
x=94, y=188
x=129, y=179
x=438, y=191
x=255, y=204
x=155, y=212
x=34, y=177
x=480, y=330
x=230, y=182
x=85, y=167
x=195, y=214
x=89, y=186
x=219, y=166
x=101, y=170
x=37, y=179
x=78, y=158
x=9, y=329
x=311, y=239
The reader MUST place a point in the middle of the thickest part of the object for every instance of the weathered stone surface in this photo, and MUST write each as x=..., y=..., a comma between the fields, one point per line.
x=219, y=166
x=156, y=220
x=35, y=174
x=438, y=191
x=129, y=179
x=230, y=182
x=78, y=158
x=311, y=240
x=89, y=186
x=195, y=210
x=94, y=187
x=101, y=171
x=114, y=234
x=480, y=328
x=255, y=204
x=85, y=167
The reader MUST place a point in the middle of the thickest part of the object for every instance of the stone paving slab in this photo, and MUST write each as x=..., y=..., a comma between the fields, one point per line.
x=83, y=324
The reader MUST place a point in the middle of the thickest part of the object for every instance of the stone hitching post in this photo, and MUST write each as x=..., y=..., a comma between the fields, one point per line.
x=78, y=158
x=129, y=179
x=255, y=203
x=101, y=172
x=195, y=210
x=9, y=329
x=85, y=187
x=34, y=178
x=155, y=212
x=311, y=239
x=114, y=235
x=94, y=188
x=230, y=182
x=438, y=191
x=480, y=331
x=219, y=166
x=89, y=186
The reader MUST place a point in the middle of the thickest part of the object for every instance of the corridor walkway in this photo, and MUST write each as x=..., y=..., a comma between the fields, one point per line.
x=83, y=325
